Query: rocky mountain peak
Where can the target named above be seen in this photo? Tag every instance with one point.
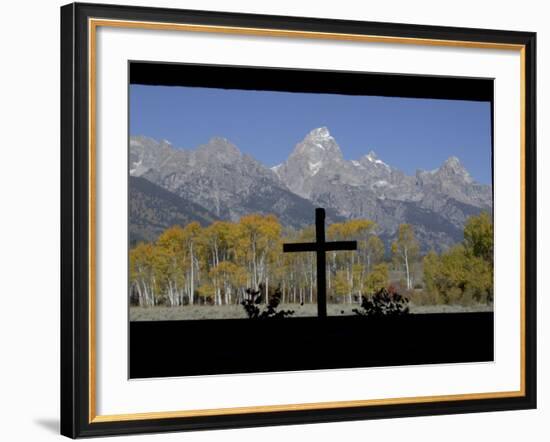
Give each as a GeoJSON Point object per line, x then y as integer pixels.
{"type": "Point", "coordinates": [144, 143]}
{"type": "Point", "coordinates": [223, 144]}
{"type": "Point", "coordinates": [452, 167]}
{"type": "Point", "coordinates": [452, 162]}
{"type": "Point", "coordinates": [318, 134]}
{"type": "Point", "coordinates": [146, 152]}
{"type": "Point", "coordinates": [371, 159]}
{"type": "Point", "coordinates": [318, 145]}
{"type": "Point", "coordinates": [372, 155]}
{"type": "Point", "coordinates": [221, 149]}
{"type": "Point", "coordinates": [312, 157]}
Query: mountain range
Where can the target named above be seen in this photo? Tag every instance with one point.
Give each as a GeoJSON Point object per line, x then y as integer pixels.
{"type": "Point", "coordinates": [171, 185]}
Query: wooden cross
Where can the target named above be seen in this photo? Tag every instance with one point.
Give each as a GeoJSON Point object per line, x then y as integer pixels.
{"type": "Point", "coordinates": [320, 246]}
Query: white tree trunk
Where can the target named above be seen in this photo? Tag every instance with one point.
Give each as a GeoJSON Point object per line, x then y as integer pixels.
{"type": "Point", "coordinates": [192, 274]}
{"type": "Point", "coordinates": [407, 269]}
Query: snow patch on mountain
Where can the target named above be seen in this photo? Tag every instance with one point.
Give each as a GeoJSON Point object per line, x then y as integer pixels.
{"type": "Point", "coordinates": [320, 133]}
{"type": "Point", "coordinates": [135, 167]}
{"type": "Point", "coordinates": [315, 167]}
{"type": "Point", "coordinates": [373, 158]}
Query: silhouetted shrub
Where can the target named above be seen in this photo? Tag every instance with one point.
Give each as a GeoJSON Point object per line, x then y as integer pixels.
{"type": "Point", "coordinates": [383, 303]}
{"type": "Point", "coordinates": [254, 298]}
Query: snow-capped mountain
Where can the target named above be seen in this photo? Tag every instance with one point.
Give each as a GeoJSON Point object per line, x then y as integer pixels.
{"type": "Point", "coordinates": [221, 179]}
{"type": "Point", "coordinates": [227, 183]}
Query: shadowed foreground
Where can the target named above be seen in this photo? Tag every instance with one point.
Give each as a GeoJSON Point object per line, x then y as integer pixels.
{"type": "Point", "coordinates": [183, 348]}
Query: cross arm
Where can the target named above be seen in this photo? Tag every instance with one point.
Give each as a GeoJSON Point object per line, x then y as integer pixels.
{"type": "Point", "coordinates": [314, 247]}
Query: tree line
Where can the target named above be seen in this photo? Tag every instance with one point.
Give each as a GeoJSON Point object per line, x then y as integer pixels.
{"type": "Point", "coordinates": [216, 264]}
{"type": "Point", "coordinates": [464, 273]}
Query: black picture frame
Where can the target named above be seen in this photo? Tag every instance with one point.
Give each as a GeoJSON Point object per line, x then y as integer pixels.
{"type": "Point", "coordinates": [78, 417]}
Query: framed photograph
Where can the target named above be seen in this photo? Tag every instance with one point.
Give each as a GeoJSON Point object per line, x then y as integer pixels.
{"type": "Point", "coordinates": [274, 220]}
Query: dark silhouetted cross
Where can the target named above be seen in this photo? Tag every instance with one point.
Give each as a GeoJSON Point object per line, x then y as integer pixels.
{"type": "Point", "coordinates": [320, 246]}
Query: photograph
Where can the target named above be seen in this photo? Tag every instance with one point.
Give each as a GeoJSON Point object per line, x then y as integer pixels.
{"type": "Point", "coordinates": [219, 179]}
{"type": "Point", "coordinates": [250, 204]}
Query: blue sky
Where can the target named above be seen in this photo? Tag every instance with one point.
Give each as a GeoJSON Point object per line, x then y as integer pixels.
{"type": "Point", "coordinates": [407, 133]}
